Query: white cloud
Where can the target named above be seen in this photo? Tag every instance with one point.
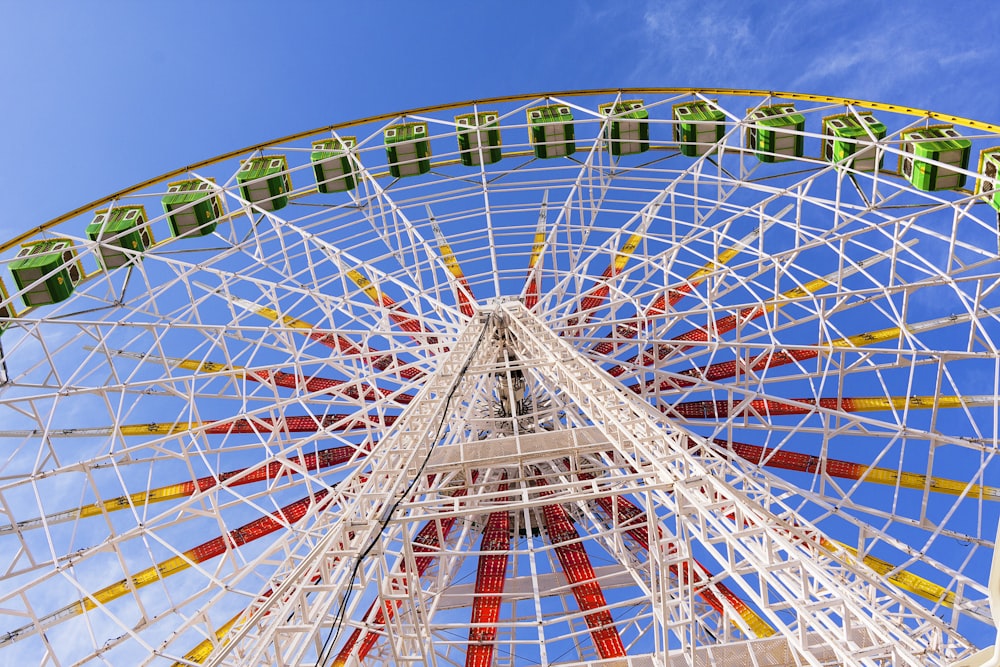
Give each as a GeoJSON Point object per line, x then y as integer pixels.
{"type": "Point", "coordinates": [899, 54]}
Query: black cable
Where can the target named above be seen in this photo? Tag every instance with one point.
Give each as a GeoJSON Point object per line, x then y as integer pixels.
{"type": "Point", "coordinates": [335, 630]}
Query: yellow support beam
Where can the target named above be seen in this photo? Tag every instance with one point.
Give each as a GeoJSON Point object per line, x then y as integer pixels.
{"type": "Point", "coordinates": [901, 578]}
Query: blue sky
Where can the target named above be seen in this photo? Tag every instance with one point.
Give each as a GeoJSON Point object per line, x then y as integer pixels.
{"type": "Point", "coordinates": [99, 96]}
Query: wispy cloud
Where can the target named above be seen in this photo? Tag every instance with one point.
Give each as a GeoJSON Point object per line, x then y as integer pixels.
{"type": "Point", "coordinates": [899, 53]}
{"type": "Point", "coordinates": [681, 40]}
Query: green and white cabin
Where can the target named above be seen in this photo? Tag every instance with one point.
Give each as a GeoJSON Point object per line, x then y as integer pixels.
{"type": "Point", "coordinates": [192, 207]}
{"type": "Point", "coordinates": [49, 270]}
{"type": "Point", "coordinates": [846, 135]}
{"type": "Point", "coordinates": [769, 133]}
{"type": "Point", "coordinates": [119, 231]}
{"type": "Point", "coordinates": [940, 143]}
{"type": "Point", "coordinates": [264, 181]}
{"type": "Point", "coordinates": [332, 164]}
{"type": "Point", "coordinates": [628, 132]}
{"type": "Point", "coordinates": [698, 126]}
{"type": "Point", "coordinates": [988, 183]}
{"type": "Point", "coordinates": [550, 131]}
{"type": "Point", "coordinates": [479, 137]}
{"type": "Point", "coordinates": [408, 149]}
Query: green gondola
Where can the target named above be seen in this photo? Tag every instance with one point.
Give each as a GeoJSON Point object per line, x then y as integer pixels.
{"type": "Point", "coordinates": [550, 131]}
{"type": "Point", "coordinates": [264, 182]}
{"type": "Point", "coordinates": [628, 132]}
{"type": "Point", "coordinates": [988, 183]}
{"type": "Point", "coordinates": [49, 270]}
{"type": "Point", "coordinates": [479, 135]}
{"type": "Point", "coordinates": [119, 231]}
{"type": "Point", "coordinates": [940, 143]}
{"type": "Point", "coordinates": [698, 127]}
{"type": "Point", "coordinates": [333, 165]}
{"type": "Point", "coordinates": [770, 132]}
{"type": "Point", "coordinates": [850, 136]}
{"type": "Point", "coordinates": [192, 207]}
{"type": "Point", "coordinates": [407, 149]}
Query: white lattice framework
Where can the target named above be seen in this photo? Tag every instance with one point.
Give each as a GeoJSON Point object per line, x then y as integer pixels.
{"type": "Point", "coordinates": [599, 409]}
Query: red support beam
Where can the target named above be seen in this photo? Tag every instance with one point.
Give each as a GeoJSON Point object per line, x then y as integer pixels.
{"type": "Point", "coordinates": [674, 295]}
{"type": "Point", "coordinates": [721, 326]}
{"type": "Point", "coordinates": [582, 580]}
{"type": "Point", "coordinates": [491, 573]}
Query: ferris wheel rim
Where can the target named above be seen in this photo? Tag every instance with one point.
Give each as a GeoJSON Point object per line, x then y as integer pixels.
{"type": "Point", "coordinates": [806, 97]}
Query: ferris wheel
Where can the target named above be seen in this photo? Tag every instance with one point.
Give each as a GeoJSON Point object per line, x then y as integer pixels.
{"type": "Point", "coordinates": [615, 377]}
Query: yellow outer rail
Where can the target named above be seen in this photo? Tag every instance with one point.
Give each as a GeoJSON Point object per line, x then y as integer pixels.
{"type": "Point", "coordinates": [734, 92]}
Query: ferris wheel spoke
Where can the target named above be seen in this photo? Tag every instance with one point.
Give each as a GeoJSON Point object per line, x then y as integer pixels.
{"type": "Point", "coordinates": [396, 312]}
{"type": "Point", "coordinates": [403, 239]}
{"type": "Point", "coordinates": [673, 296]}
{"type": "Point", "coordinates": [730, 322]}
{"type": "Point", "coordinates": [869, 517]}
{"type": "Point", "coordinates": [766, 408]}
{"type": "Point", "coordinates": [337, 342]}
{"type": "Point", "coordinates": [342, 260]}
{"type": "Point", "coordinates": [533, 282]}
{"type": "Point", "coordinates": [779, 457]}
{"type": "Point", "coordinates": [343, 423]}
{"type": "Point", "coordinates": [205, 551]}
{"type": "Point", "coordinates": [186, 514]}
{"type": "Point", "coordinates": [767, 359]}
{"type": "Point", "coordinates": [905, 580]}
{"type": "Point", "coordinates": [871, 522]}
{"type": "Point", "coordinates": [313, 384]}
{"type": "Point", "coordinates": [203, 650]}
{"type": "Point", "coordinates": [311, 462]}
{"type": "Point", "coordinates": [466, 300]}
{"type": "Point", "coordinates": [595, 297]}
{"type": "Point", "coordinates": [349, 350]}
{"type": "Point", "coordinates": [895, 575]}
